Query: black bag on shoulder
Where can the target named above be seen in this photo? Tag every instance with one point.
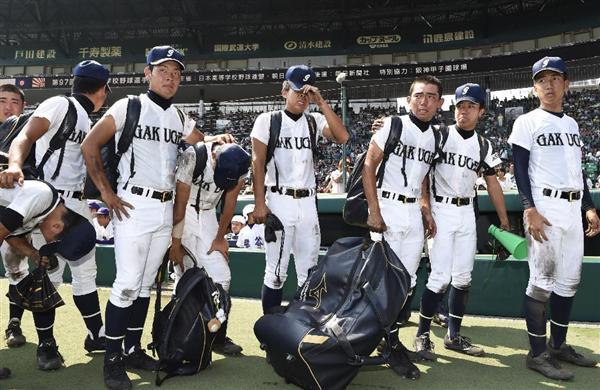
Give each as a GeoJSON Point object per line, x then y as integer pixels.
{"type": "Point", "coordinates": [356, 208]}
{"type": "Point", "coordinates": [180, 333]}
{"type": "Point", "coordinates": [112, 151]}
{"type": "Point", "coordinates": [348, 303]}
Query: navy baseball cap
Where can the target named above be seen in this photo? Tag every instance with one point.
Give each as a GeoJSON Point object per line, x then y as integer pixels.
{"type": "Point", "coordinates": [92, 204]}
{"type": "Point", "coordinates": [159, 54]}
{"type": "Point", "coordinates": [232, 163]}
{"type": "Point", "coordinates": [300, 75]}
{"type": "Point", "coordinates": [471, 92]}
{"type": "Point", "coordinates": [102, 211]}
{"type": "Point", "coordinates": [92, 70]}
{"type": "Point", "coordinates": [555, 64]}
{"type": "Point", "coordinates": [78, 241]}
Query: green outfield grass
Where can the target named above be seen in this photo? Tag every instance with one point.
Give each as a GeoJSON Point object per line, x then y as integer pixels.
{"type": "Point", "coordinates": [503, 366]}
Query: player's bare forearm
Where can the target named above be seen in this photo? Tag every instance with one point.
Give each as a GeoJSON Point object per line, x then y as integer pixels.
{"type": "Point", "coordinates": [229, 208]}
{"type": "Point", "coordinates": [497, 198]}
{"type": "Point", "coordinates": [259, 155]}
{"type": "Point", "coordinates": [22, 246]}
{"type": "Point", "coordinates": [372, 160]}
{"type": "Point", "coordinates": [194, 137]}
{"type": "Point", "coordinates": [335, 129]}
{"type": "Point", "coordinates": [425, 200]}
{"type": "Point", "coordinates": [182, 196]}
{"type": "Point", "coordinates": [98, 136]}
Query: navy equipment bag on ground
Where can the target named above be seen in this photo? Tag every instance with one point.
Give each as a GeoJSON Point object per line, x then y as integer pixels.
{"type": "Point", "coordinates": [180, 331]}
{"type": "Point", "coordinates": [348, 303]}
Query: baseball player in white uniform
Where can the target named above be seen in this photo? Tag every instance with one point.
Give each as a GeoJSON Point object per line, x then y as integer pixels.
{"type": "Point", "coordinates": [252, 236]}
{"type": "Point", "coordinates": [12, 103]}
{"type": "Point", "coordinates": [450, 198]}
{"type": "Point", "coordinates": [394, 204]}
{"type": "Point", "coordinates": [143, 206]}
{"type": "Point", "coordinates": [65, 170]}
{"type": "Point", "coordinates": [288, 189]}
{"type": "Point", "coordinates": [547, 156]}
{"type": "Point", "coordinates": [195, 203]}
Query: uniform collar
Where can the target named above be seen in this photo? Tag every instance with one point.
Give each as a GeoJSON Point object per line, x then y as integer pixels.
{"type": "Point", "coordinates": [423, 126]}
{"type": "Point", "coordinates": [159, 100]}
{"type": "Point", "coordinates": [293, 116]}
{"type": "Point", "coordinates": [558, 114]}
{"type": "Point", "coordinates": [466, 134]}
{"type": "Point", "coordinates": [85, 102]}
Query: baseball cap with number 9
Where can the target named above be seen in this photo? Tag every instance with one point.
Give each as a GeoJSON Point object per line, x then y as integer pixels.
{"type": "Point", "coordinates": [159, 54]}
{"type": "Point", "coordinates": [300, 75]}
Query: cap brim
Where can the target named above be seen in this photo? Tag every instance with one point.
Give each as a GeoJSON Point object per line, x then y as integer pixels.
{"type": "Point", "coordinates": [157, 62]}
{"type": "Point", "coordinates": [296, 87]}
{"type": "Point", "coordinates": [549, 68]}
{"type": "Point", "coordinates": [469, 99]}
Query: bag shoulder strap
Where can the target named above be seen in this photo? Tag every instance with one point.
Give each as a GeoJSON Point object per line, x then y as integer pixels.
{"type": "Point", "coordinates": [132, 117]}
{"type": "Point", "coordinates": [390, 144]}
{"type": "Point", "coordinates": [312, 131]}
{"type": "Point", "coordinates": [484, 146]}
{"type": "Point", "coordinates": [59, 140]}
{"type": "Point", "coordinates": [201, 159]}
{"type": "Point", "coordinates": [274, 130]}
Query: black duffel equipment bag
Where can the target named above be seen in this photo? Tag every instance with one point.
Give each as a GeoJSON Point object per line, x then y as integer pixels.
{"type": "Point", "coordinates": [348, 303]}
{"type": "Point", "coordinates": [184, 330]}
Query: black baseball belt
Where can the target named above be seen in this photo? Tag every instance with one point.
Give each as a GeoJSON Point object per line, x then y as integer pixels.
{"type": "Point", "coordinates": [456, 201]}
{"type": "Point", "coordinates": [398, 197]}
{"type": "Point", "coordinates": [163, 196]}
{"type": "Point", "coordinates": [568, 195]}
{"type": "Point", "coordinates": [71, 194]}
{"type": "Point", "coordinates": [295, 193]}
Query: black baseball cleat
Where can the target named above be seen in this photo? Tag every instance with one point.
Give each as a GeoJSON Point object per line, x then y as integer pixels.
{"type": "Point", "coordinates": [227, 348]}
{"type": "Point", "coordinates": [14, 334]}
{"type": "Point", "coordinates": [424, 348]}
{"type": "Point", "coordinates": [140, 359]}
{"type": "Point", "coordinates": [401, 363]}
{"type": "Point", "coordinates": [566, 353]}
{"type": "Point", "coordinates": [548, 366]}
{"type": "Point", "coordinates": [48, 357]}
{"type": "Point", "coordinates": [93, 345]}
{"type": "Point", "coordinates": [462, 344]}
{"type": "Point", "coordinates": [115, 377]}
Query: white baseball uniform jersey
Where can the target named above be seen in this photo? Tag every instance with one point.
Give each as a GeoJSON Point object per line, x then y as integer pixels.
{"type": "Point", "coordinates": [72, 171]}
{"type": "Point", "coordinates": [142, 239]}
{"type": "Point", "coordinates": [294, 160]}
{"type": "Point", "coordinates": [404, 172]}
{"type": "Point", "coordinates": [252, 237]}
{"type": "Point", "coordinates": [452, 253]}
{"type": "Point", "coordinates": [201, 225]}
{"type": "Point", "coordinates": [554, 149]}
{"type": "Point", "coordinates": [70, 179]}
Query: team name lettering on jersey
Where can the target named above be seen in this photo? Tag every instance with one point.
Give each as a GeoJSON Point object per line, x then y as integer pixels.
{"type": "Point", "coordinates": [461, 161]}
{"type": "Point", "coordinates": [409, 151]}
{"type": "Point", "coordinates": [555, 139]}
{"type": "Point", "coordinates": [206, 187]}
{"type": "Point", "coordinates": [77, 136]}
{"type": "Point", "coordinates": [293, 143]}
{"type": "Point", "coordinates": [152, 133]}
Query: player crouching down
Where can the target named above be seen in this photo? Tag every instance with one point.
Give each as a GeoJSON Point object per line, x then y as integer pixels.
{"type": "Point", "coordinates": [207, 173]}
{"type": "Point", "coordinates": [37, 205]}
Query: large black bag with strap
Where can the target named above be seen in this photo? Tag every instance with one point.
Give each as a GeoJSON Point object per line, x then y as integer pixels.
{"type": "Point", "coordinates": [348, 303]}
{"type": "Point", "coordinates": [181, 333]}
